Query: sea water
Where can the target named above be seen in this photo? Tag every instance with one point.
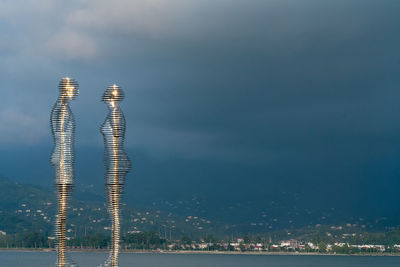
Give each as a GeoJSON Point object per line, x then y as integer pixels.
{"type": "Point", "coordinates": [85, 259]}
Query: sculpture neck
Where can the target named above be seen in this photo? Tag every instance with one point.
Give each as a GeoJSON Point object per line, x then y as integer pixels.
{"type": "Point", "coordinates": [112, 105]}
{"type": "Point", "coordinates": [62, 99]}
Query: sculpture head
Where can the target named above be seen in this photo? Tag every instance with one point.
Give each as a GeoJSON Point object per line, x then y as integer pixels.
{"type": "Point", "coordinates": [69, 89]}
{"type": "Point", "coordinates": [113, 94]}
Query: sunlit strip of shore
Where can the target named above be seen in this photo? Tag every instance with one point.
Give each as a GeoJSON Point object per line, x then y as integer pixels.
{"type": "Point", "coordinates": [197, 252]}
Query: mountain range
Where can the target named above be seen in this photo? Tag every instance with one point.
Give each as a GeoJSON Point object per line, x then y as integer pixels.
{"type": "Point", "coordinates": [31, 208]}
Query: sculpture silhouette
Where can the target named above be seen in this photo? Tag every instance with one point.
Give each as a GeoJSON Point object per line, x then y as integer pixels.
{"type": "Point", "coordinates": [62, 159]}
{"type": "Point", "coordinates": [117, 164]}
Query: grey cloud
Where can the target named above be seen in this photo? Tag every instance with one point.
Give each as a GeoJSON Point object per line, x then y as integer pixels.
{"type": "Point", "coordinates": [233, 76]}
{"type": "Point", "coordinates": [20, 128]}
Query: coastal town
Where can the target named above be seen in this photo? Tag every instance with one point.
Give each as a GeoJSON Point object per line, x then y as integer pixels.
{"type": "Point", "coordinates": [152, 242]}
{"type": "Point", "coordinates": [284, 246]}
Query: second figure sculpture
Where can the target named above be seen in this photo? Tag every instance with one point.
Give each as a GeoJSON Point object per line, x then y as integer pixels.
{"type": "Point", "coordinates": [117, 164]}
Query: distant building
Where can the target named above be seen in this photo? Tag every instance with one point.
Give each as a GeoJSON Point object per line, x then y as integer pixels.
{"type": "Point", "coordinates": [290, 244]}
{"type": "Point", "coordinates": [203, 246]}
{"type": "Point", "coordinates": [311, 245]}
{"type": "Point", "coordinates": [258, 247]}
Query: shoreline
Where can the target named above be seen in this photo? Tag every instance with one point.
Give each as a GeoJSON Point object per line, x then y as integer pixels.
{"type": "Point", "coordinates": [200, 252]}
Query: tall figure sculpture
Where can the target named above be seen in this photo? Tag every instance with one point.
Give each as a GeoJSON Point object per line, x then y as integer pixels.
{"type": "Point", "coordinates": [62, 159]}
{"type": "Point", "coordinates": [117, 164]}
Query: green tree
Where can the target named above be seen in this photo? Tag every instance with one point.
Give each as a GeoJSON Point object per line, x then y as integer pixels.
{"type": "Point", "coordinates": [34, 240]}
{"type": "Point", "coordinates": [209, 239]}
{"type": "Point", "coordinates": [186, 240]}
{"type": "Point", "coordinates": [144, 240]}
{"type": "Point", "coordinates": [246, 239]}
{"type": "Point", "coordinates": [322, 247]}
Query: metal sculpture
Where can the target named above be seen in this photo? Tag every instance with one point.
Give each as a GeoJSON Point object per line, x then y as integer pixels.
{"type": "Point", "coordinates": [62, 159]}
{"type": "Point", "coordinates": [117, 164]}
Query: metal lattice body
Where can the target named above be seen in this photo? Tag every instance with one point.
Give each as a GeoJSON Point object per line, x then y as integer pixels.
{"type": "Point", "coordinates": [62, 159]}
{"type": "Point", "coordinates": [117, 164]}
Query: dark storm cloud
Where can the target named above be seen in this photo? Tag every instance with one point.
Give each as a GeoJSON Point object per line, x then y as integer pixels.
{"type": "Point", "coordinates": [296, 75]}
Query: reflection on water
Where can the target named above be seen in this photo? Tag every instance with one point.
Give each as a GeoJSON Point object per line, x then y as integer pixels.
{"type": "Point", "coordinates": [84, 259]}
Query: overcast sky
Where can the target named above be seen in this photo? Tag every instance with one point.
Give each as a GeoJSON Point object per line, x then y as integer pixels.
{"type": "Point", "coordinates": [291, 95]}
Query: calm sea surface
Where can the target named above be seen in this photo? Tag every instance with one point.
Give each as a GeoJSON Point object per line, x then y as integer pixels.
{"type": "Point", "coordinates": [44, 259]}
